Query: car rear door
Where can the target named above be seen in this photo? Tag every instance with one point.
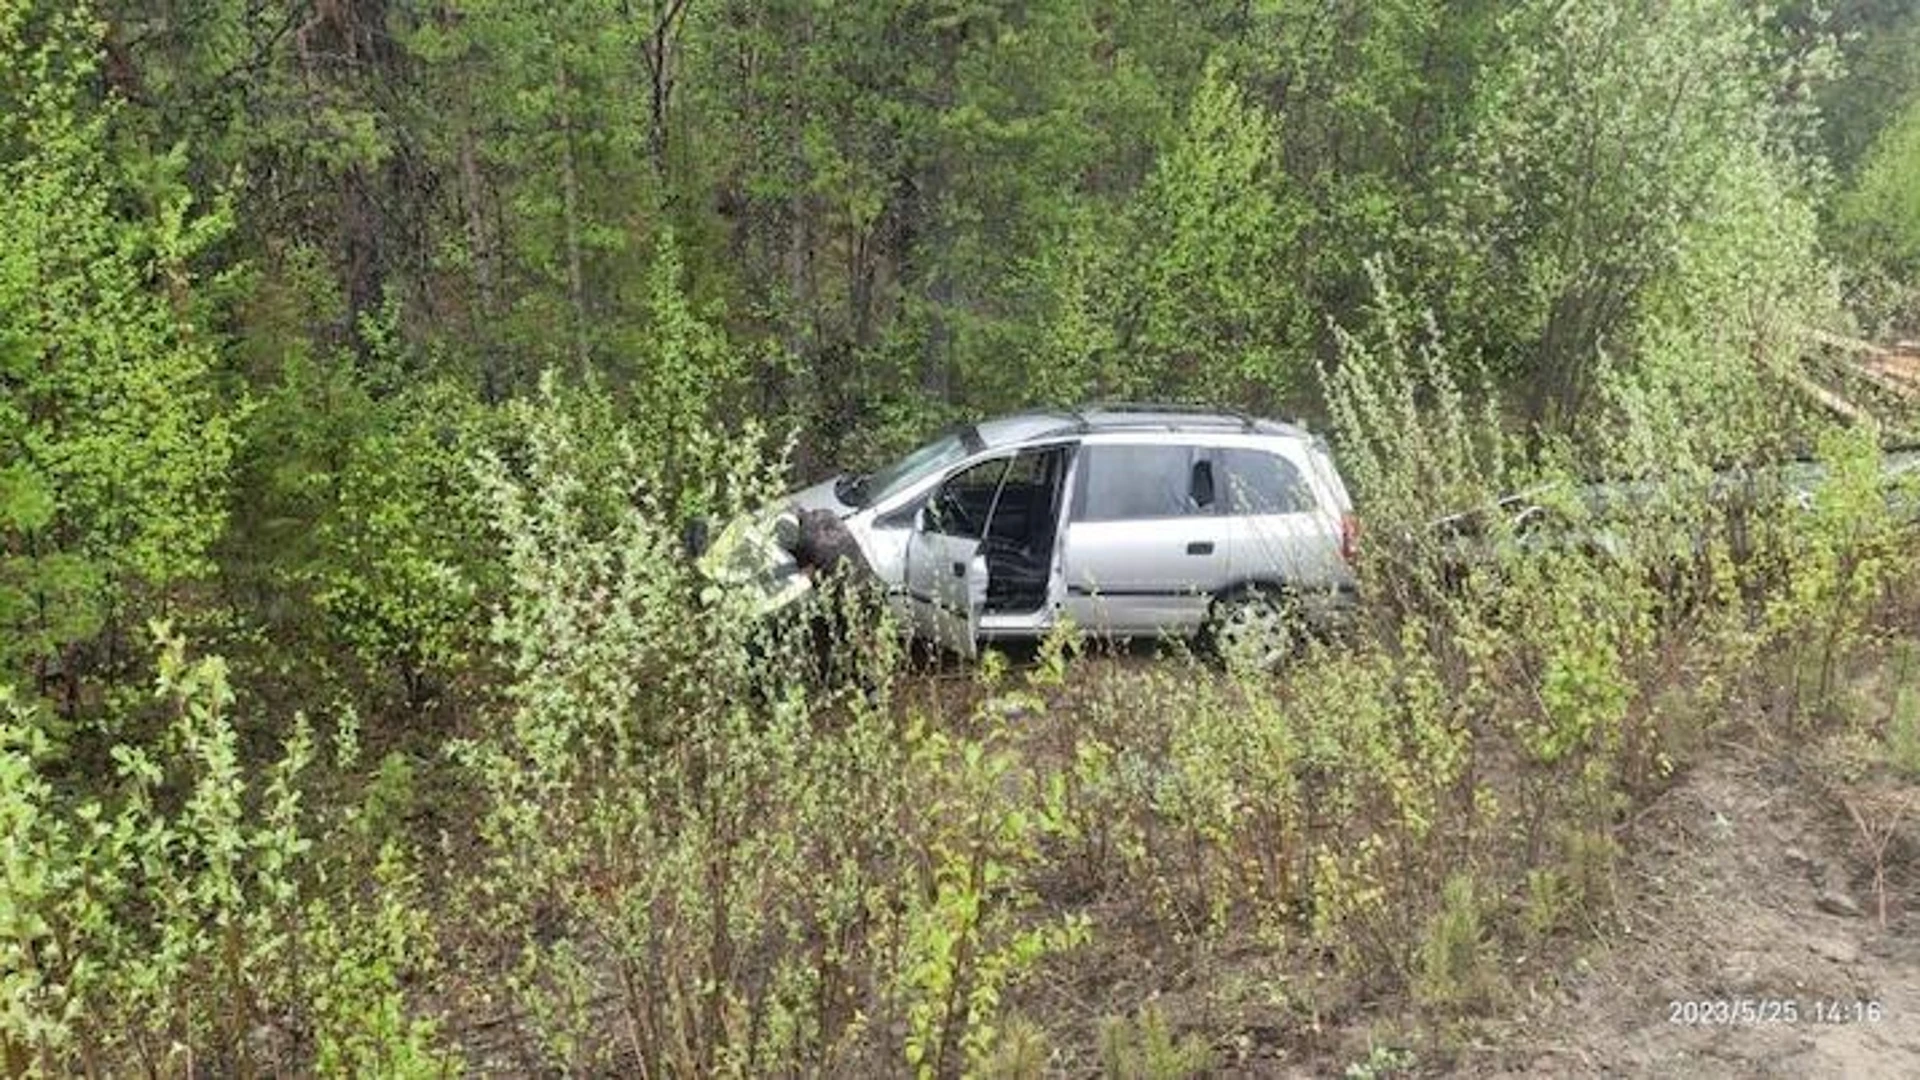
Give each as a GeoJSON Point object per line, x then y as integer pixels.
{"type": "Point", "coordinates": [1280, 528]}
{"type": "Point", "coordinates": [1144, 547]}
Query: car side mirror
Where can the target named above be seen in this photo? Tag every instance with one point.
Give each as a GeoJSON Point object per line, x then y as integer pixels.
{"type": "Point", "coordinates": [922, 520]}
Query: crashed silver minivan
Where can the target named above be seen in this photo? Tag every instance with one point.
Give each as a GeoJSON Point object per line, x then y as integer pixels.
{"type": "Point", "coordinates": [1127, 520]}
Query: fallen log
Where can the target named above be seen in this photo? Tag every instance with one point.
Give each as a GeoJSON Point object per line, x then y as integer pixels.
{"type": "Point", "coordinates": [1840, 341]}
{"type": "Point", "coordinates": [1833, 402]}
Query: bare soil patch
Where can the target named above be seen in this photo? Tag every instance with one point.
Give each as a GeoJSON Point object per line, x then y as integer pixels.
{"type": "Point", "coordinates": [1749, 881]}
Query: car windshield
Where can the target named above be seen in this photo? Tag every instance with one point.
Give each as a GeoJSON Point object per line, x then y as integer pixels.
{"type": "Point", "coordinates": [869, 489]}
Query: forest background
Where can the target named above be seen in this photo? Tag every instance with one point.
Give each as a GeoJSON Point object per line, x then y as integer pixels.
{"type": "Point", "coordinates": [360, 358]}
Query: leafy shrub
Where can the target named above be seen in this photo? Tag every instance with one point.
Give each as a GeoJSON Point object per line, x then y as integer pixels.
{"type": "Point", "coordinates": [183, 917]}
{"type": "Point", "coordinates": [399, 574]}
{"type": "Point", "coordinates": [113, 446]}
{"type": "Point", "coordinates": [1147, 1048]}
{"type": "Point", "coordinates": [1550, 264]}
{"type": "Point", "coordinates": [1879, 220]}
{"type": "Point", "coordinates": [362, 1022]}
{"type": "Point", "coordinates": [1839, 563]}
{"type": "Point", "coordinates": [980, 829]}
{"type": "Point", "coordinates": [771, 873]}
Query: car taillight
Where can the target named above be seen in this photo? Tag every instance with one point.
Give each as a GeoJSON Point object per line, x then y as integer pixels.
{"type": "Point", "coordinates": [1349, 537]}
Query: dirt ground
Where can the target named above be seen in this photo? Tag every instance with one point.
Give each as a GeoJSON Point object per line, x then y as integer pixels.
{"type": "Point", "coordinates": [1749, 880]}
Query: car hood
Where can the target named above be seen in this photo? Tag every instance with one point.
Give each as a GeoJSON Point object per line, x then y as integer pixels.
{"type": "Point", "coordinates": [821, 497]}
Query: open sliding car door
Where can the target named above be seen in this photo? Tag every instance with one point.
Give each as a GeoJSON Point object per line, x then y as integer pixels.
{"type": "Point", "coordinates": [946, 569]}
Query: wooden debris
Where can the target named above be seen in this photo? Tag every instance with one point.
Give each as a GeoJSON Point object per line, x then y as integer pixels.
{"type": "Point", "coordinates": [1894, 370]}
{"type": "Point", "coordinates": [1831, 401]}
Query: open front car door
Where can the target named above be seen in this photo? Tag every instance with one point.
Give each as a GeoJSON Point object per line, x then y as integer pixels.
{"type": "Point", "coordinates": [946, 569]}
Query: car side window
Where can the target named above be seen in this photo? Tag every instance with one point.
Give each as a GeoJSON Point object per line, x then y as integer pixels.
{"type": "Point", "coordinates": [1263, 482]}
{"type": "Point", "coordinates": [1131, 483]}
{"type": "Point", "coordinates": [961, 506]}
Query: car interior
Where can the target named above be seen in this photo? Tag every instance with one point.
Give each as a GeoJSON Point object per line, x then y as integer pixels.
{"type": "Point", "coordinates": [1017, 531]}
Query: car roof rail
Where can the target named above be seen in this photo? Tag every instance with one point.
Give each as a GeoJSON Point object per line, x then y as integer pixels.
{"type": "Point", "coordinates": [1166, 408]}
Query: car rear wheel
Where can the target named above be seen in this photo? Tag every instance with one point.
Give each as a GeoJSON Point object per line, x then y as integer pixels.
{"type": "Point", "coordinates": [1254, 630]}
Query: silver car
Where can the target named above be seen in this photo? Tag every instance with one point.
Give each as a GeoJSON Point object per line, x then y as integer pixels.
{"type": "Point", "coordinates": [1127, 520]}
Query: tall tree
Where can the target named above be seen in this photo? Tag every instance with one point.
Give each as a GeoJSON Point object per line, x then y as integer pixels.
{"type": "Point", "coordinates": [1207, 311]}
{"type": "Point", "coordinates": [113, 447]}
{"type": "Point", "coordinates": [1602, 134]}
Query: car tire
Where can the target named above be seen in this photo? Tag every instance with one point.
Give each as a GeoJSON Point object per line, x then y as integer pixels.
{"type": "Point", "coordinates": [1255, 630]}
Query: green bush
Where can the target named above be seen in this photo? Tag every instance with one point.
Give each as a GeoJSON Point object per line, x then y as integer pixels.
{"type": "Point", "coordinates": [191, 917]}
{"type": "Point", "coordinates": [1879, 219]}
{"type": "Point", "coordinates": [1147, 1048]}
{"type": "Point", "coordinates": [400, 575]}
{"type": "Point", "coordinates": [114, 446]}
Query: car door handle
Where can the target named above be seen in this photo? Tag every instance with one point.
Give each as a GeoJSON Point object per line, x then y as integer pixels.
{"type": "Point", "coordinates": [959, 569]}
{"type": "Point", "coordinates": [1200, 547]}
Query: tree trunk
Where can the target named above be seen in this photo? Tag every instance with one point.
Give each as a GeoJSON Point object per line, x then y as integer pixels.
{"type": "Point", "coordinates": [570, 213]}
{"type": "Point", "coordinates": [481, 247]}
{"type": "Point", "coordinates": [662, 39]}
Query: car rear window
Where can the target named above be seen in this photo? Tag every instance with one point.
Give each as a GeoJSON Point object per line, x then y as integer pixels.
{"type": "Point", "coordinates": [1263, 482]}
{"type": "Point", "coordinates": [1128, 483]}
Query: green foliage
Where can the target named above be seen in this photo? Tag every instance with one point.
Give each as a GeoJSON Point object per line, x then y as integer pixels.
{"type": "Point", "coordinates": [1603, 140]}
{"type": "Point", "coordinates": [398, 574]}
{"type": "Point", "coordinates": [1591, 856]}
{"type": "Point", "coordinates": [1021, 1053]}
{"type": "Point", "coordinates": [689, 374]}
{"type": "Point", "coordinates": [715, 822]}
{"type": "Point", "coordinates": [165, 924]}
{"type": "Point", "coordinates": [1902, 739]}
{"type": "Point", "coordinates": [1720, 335]}
{"type": "Point", "coordinates": [1146, 1048]}
{"type": "Point", "coordinates": [1584, 626]}
{"type": "Point", "coordinates": [1381, 1061]}
{"type": "Point", "coordinates": [1879, 216]}
{"type": "Point", "coordinates": [1455, 966]}
{"type": "Point", "coordinates": [1840, 559]}
{"type": "Point", "coordinates": [963, 944]}
{"type": "Point", "coordinates": [1413, 443]}
{"type": "Point", "coordinates": [1203, 317]}
{"type": "Point", "coordinates": [1878, 41]}
{"type": "Point", "coordinates": [113, 450]}
{"type": "Point", "coordinates": [1072, 348]}
{"type": "Point", "coordinates": [363, 1024]}
{"type": "Point", "coordinates": [37, 1010]}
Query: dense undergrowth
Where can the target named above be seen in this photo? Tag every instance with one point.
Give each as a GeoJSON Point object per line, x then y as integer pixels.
{"type": "Point", "coordinates": [664, 840]}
